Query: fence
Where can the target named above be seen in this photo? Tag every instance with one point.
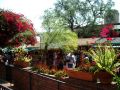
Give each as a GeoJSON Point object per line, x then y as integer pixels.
{"type": "Point", "coordinates": [28, 80]}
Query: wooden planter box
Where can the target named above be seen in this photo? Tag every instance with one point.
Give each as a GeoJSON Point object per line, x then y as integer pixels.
{"type": "Point", "coordinates": [81, 75]}
{"type": "Point", "coordinates": [21, 64]}
{"type": "Point", "coordinates": [27, 80]}
{"type": "Point", "coordinates": [104, 77]}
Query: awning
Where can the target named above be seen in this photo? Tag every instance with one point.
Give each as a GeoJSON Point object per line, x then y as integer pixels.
{"type": "Point", "coordinates": [115, 41]}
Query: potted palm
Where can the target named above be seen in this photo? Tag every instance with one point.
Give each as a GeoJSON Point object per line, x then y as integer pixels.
{"type": "Point", "coordinates": [106, 61]}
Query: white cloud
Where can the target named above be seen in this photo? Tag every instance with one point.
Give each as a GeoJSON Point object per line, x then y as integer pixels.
{"type": "Point", "coordinates": [32, 9]}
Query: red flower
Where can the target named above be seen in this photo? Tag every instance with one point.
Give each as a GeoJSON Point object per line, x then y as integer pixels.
{"type": "Point", "coordinates": [106, 30]}
{"type": "Point", "coordinates": [109, 26]}
{"type": "Point", "coordinates": [13, 27]}
{"type": "Point", "coordinates": [109, 39]}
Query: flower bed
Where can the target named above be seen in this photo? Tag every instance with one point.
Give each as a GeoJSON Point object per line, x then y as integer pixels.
{"type": "Point", "coordinates": [81, 75]}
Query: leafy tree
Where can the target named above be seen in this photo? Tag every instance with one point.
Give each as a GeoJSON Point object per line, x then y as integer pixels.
{"type": "Point", "coordinates": [15, 30]}
{"type": "Point", "coordinates": [65, 40]}
{"type": "Point", "coordinates": [80, 15]}
{"type": "Point", "coordinates": [111, 16]}
{"type": "Point", "coordinates": [57, 33]}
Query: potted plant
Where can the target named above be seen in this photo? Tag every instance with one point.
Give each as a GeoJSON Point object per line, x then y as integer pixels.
{"type": "Point", "coordinates": [106, 61]}
{"type": "Point", "coordinates": [21, 60]}
{"type": "Point", "coordinates": [85, 71]}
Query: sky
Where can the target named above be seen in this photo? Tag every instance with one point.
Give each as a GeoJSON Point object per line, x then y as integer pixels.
{"type": "Point", "coordinates": [34, 9]}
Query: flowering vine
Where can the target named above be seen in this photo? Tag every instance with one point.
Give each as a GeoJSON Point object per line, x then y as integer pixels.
{"type": "Point", "coordinates": [15, 29]}
{"type": "Point", "coordinates": [107, 31]}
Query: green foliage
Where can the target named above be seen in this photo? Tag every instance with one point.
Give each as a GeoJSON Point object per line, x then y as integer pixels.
{"type": "Point", "coordinates": [16, 30]}
{"type": "Point", "coordinates": [105, 57]}
{"type": "Point", "coordinates": [86, 69]}
{"type": "Point", "coordinates": [76, 14]}
{"type": "Point", "coordinates": [110, 16]}
{"type": "Point", "coordinates": [63, 39]}
{"type": "Point", "coordinates": [57, 34]}
{"type": "Point", "coordinates": [117, 80]}
{"type": "Point", "coordinates": [70, 42]}
{"type": "Point", "coordinates": [60, 74]}
{"type": "Point", "coordinates": [46, 71]}
{"type": "Point", "coordinates": [51, 22]}
{"type": "Point", "coordinates": [20, 55]}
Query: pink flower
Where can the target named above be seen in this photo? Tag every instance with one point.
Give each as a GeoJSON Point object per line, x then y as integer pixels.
{"type": "Point", "coordinates": [109, 39]}
{"type": "Point", "coordinates": [11, 25]}
{"type": "Point", "coordinates": [106, 30]}
{"type": "Point", "coordinates": [109, 26]}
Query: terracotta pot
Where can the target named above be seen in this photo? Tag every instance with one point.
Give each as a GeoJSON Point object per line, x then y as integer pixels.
{"type": "Point", "coordinates": [21, 64]}
{"type": "Point", "coordinates": [104, 77]}
{"type": "Point", "coordinates": [81, 75]}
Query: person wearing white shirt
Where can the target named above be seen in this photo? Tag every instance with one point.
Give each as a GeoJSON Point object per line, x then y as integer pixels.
{"type": "Point", "coordinates": [72, 61]}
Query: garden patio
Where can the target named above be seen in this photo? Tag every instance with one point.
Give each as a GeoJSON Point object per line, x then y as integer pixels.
{"type": "Point", "coordinates": [64, 59]}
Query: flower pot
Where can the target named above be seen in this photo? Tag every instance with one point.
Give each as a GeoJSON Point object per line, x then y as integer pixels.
{"type": "Point", "coordinates": [21, 64]}
{"type": "Point", "coordinates": [104, 77]}
{"type": "Point", "coordinates": [81, 75]}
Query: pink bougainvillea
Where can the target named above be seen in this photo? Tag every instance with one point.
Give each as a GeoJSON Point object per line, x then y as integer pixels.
{"type": "Point", "coordinates": [107, 31]}
{"type": "Point", "coordinates": [15, 29]}
{"type": "Point", "coordinates": [109, 39]}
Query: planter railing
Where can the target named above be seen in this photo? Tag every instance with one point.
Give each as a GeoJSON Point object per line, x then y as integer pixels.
{"type": "Point", "coordinates": [43, 82]}
{"type": "Point", "coordinates": [28, 80]}
{"type": "Point", "coordinates": [4, 88]}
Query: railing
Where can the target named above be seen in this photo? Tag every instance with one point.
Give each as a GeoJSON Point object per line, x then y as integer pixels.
{"type": "Point", "coordinates": [44, 82]}
{"type": "Point", "coordinates": [4, 88]}
{"type": "Point", "coordinates": [28, 80]}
